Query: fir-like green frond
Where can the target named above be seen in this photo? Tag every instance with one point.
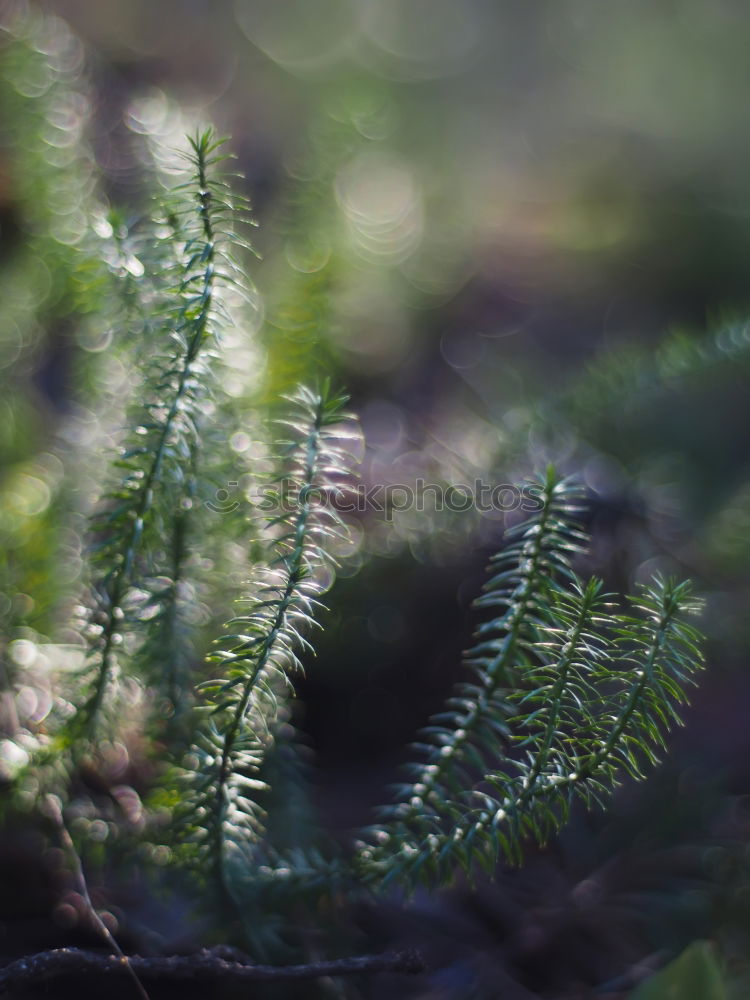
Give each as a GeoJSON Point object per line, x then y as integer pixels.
{"type": "Point", "coordinates": [255, 662]}
{"type": "Point", "coordinates": [159, 460]}
{"type": "Point", "coordinates": [460, 744]}
{"type": "Point", "coordinates": [660, 652]}
{"type": "Point", "coordinates": [593, 693]}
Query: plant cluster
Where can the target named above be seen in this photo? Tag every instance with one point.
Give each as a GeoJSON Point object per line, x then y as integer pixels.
{"type": "Point", "coordinates": [567, 688]}
{"type": "Point", "coordinates": [566, 691]}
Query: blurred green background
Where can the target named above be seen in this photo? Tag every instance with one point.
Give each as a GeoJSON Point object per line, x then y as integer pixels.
{"type": "Point", "coordinates": [515, 233]}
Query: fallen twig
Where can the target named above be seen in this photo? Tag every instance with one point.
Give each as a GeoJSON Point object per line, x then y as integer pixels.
{"type": "Point", "coordinates": [204, 966]}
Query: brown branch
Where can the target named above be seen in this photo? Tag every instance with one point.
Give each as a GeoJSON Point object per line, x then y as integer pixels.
{"type": "Point", "coordinates": [206, 966]}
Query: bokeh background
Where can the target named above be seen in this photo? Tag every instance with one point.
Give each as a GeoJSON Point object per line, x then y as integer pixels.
{"type": "Point", "coordinates": [515, 233]}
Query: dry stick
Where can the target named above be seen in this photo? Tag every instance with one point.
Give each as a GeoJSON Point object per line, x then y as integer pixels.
{"type": "Point", "coordinates": [54, 812]}
{"type": "Point", "coordinates": [205, 966]}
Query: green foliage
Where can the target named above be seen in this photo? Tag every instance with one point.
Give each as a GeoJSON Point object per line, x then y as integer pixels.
{"type": "Point", "coordinates": [257, 659]}
{"type": "Point", "coordinates": [158, 488]}
{"type": "Point", "coordinates": [566, 693]}
{"type": "Point", "coordinates": [52, 293]}
{"type": "Point", "coordinates": [579, 691]}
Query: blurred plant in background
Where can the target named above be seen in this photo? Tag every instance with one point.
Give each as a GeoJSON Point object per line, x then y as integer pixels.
{"type": "Point", "coordinates": [516, 235]}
